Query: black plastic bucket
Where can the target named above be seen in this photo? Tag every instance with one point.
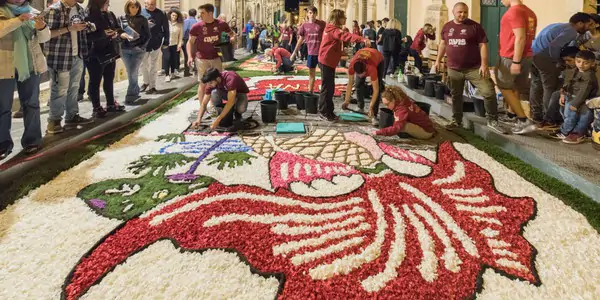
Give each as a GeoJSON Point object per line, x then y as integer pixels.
{"type": "Point", "coordinates": [386, 117]}
{"type": "Point", "coordinates": [479, 107]}
{"type": "Point", "coordinates": [300, 100]}
{"type": "Point", "coordinates": [412, 81]}
{"type": "Point", "coordinates": [227, 121]}
{"type": "Point", "coordinates": [424, 106]}
{"type": "Point", "coordinates": [440, 91]}
{"type": "Point", "coordinates": [311, 101]}
{"type": "Point", "coordinates": [292, 98]}
{"type": "Point", "coordinates": [268, 111]}
{"type": "Point", "coordinates": [282, 99]}
{"type": "Point", "coordinates": [429, 88]}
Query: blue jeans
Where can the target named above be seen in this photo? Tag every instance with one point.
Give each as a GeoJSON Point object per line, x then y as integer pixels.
{"type": "Point", "coordinates": [286, 65]}
{"type": "Point", "coordinates": [63, 91]}
{"type": "Point", "coordinates": [29, 95]}
{"type": "Point", "coordinates": [248, 44]}
{"type": "Point", "coordinates": [132, 58]}
{"type": "Point", "coordinates": [241, 101]}
{"type": "Point", "coordinates": [576, 122]}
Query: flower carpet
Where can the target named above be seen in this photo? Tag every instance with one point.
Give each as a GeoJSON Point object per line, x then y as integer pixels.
{"type": "Point", "coordinates": [170, 214]}
{"type": "Point", "coordinates": [260, 84]}
{"type": "Point", "coordinates": [262, 63]}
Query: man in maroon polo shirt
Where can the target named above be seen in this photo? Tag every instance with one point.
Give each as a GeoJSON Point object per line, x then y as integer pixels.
{"type": "Point", "coordinates": [226, 85]}
{"type": "Point", "coordinates": [311, 33]}
{"type": "Point", "coordinates": [204, 35]}
{"type": "Point", "coordinates": [465, 43]}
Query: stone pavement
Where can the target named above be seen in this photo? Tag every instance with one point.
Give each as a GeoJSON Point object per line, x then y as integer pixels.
{"type": "Point", "coordinates": [575, 165]}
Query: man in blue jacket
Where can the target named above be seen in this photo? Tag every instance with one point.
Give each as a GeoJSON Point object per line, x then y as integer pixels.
{"type": "Point", "coordinates": [546, 54]}
{"type": "Point", "coordinates": [249, 28]}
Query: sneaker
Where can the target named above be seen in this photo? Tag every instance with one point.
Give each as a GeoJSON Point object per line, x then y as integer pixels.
{"type": "Point", "coordinates": [524, 127]}
{"type": "Point", "coordinates": [152, 91]}
{"type": "Point", "coordinates": [574, 139]}
{"type": "Point", "coordinates": [131, 100]}
{"type": "Point", "coordinates": [32, 149]}
{"type": "Point", "coordinates": [54, 127]}
{"type": "Point", "coordinates": [168, 78]}
{"type": "Point", "coordinates": [277, 73]}
{"type": "Point", "coordinates": [453, 125]}
{"type": "Point", "coordinates": [375, 122]}
{"type": "Point", "coordinates": [546, 126]}
{"type": "Point", "coordinates": [328, 118]}
{"type": "Point", "coordinates": [115, 108]}
{"type": "Point", "coordinates": [78, 120]}
{"type": "Point", "coordinates": [4, 154]}
{"type": "Point", "coordinates": [558, 135]}
{"type": "Point", "coordinates": [18, 114]}
{"type": "Point", "coordinates": [495, 126]}
{"type": "Point", "coordinates": [98, 113]}
{"type": "Point", "coordinates": [143, 88]}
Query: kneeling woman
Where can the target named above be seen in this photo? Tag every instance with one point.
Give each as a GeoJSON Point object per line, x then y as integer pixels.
{"type": "Point", "coordinates": [408, 117]}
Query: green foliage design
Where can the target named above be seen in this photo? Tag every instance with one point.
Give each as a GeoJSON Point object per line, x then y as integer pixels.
{"type": "Point", "coordinates": [159, 163]}
{"type": "Point", "coordinates": [171, 138]}
{"type": "Point", "coordinates": [380, 167]}
{"type": "Point", "coordinates": [230, 159]}
{"type": "Point", "coordinates": [125, 198]}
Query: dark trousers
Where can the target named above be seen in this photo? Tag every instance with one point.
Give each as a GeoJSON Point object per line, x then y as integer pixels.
{"type": "Point", "coordinates": [185, 57]}
{"type": "Point", "coordinates": [82, 81]}
{"type": "Point", "coordinates": [415, 54]}
{"type": "Point", "coordinates": [362, 89]}
{"type": "Point", "coordinates": [544, 82]}
{"type": "Point", "coordinates": [254, 46]}
{"type": "Point", "coordinates": [553, 112]}
{"type": "Point", "coordinates": [391, 59]}
{"type": "Point", "coordinates": [286, 65]}
{"type": "Point", "coordinates": [285, 44]}
{"type": "Point", "coordinates": [327, 90]}
{"type": "Point", "coordinates": [170, 60]}
{"type": "Point", "coordinates": [106, 74]}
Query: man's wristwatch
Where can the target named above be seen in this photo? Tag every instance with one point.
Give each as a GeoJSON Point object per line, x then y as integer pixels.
{"type": "Point", "coordinates": [516, 62]}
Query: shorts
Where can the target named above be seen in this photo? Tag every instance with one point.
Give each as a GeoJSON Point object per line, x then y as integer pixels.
{"type": "Point", "coordinates": [507, 81]}
{"type": "Point", "coordinates": [204, 64]}
{"type": "Point", "coordinates": [312, 61]}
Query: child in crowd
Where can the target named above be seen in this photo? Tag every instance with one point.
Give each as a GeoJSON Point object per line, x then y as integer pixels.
{"type": "Point", "coordinates": [580, 85]}
{"type": "Point", "coordinates": [553, 117]}
{"type": "Point", "coordinates": [282, 57]}
{"type": "Point", "coordinates": [408, 117]}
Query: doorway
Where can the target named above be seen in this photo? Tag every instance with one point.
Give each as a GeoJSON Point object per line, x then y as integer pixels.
{"type": "Point", "coordinates": [491, 14]}
{"type": "Point", "coordinates": [401, 13]}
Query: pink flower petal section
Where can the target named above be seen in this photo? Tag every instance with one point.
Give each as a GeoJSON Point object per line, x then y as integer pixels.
{"type": "Point", "coordinates": [404, 155]}
{"type": "Point", "coordinates": [365, 141]}
{"type": "Point", "coordinates": [286, 168]}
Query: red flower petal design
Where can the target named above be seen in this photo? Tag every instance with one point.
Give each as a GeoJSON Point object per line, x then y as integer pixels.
{"type": "Point", "coordinates": [393, 238]}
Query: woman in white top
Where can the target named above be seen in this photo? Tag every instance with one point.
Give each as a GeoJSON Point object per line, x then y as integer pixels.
{"type": "Point", "coordinates": [171, 54]}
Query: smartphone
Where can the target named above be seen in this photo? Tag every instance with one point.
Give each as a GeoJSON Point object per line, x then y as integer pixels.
{"type": "Point", "coordinates": [43, 14]}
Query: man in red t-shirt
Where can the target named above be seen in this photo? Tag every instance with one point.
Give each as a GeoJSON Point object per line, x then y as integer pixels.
{"type": "Point", "coordinates": [311, 33]}
{"type": "Point", "coordinates": [282, 58]}
{"type": "Point", "coordinates": [465, 43]}
{"type": "Point", "coordinates": [367, 62]}
{"type": "Point", "coordinates": [226, 85]}
{"type": "Point", "coordinates": [517, 30]}
{"type": "Point", "coordinates": [204, 36]}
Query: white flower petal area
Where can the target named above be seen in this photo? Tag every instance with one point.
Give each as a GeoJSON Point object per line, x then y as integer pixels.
{"type": "Point", "coordinates": [339, 185]}
{"type": "Point", "coordinates": [568, 248]}
{"type": "Point", "coordinates": [162, 271]}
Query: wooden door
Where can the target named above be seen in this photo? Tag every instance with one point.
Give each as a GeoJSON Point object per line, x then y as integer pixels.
{"type": "Point", "coordinates": [401, 13]}
{"type": "Point", "coordinates": [491, 14]}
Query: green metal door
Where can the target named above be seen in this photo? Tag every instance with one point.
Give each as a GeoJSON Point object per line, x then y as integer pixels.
{"type": "Point", "coordinates": [401, 13]}
{"type": "Point", "coordinates": [491, 14]}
